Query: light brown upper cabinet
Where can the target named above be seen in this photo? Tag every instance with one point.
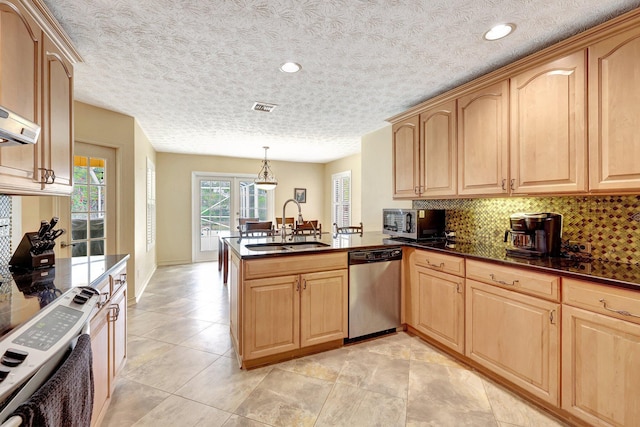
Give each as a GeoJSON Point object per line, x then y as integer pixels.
{"type": "Point", "coordinates": [548, 133]}
{"type": "Point", "coordinates": [56, 139]}
{"type": "Point", "coordinates": [614, 122]}
{"type": "Point", "coordinates": [36, 82]}
{"type": "Point", "coordinates": [483, 134]}
{"type": "Point", "coordinates": [438, 160]}
{"type": "Point", "coordinates": [406, 158]}
{"type": "Point", "coordinates": [20, 46]}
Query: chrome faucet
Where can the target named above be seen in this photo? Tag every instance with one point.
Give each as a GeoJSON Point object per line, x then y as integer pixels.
{"type": "Point", "coordinates": [283, 230]}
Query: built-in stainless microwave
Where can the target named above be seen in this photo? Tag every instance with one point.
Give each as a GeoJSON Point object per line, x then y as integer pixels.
{"type": "Point", "coordinates": [413, 224]}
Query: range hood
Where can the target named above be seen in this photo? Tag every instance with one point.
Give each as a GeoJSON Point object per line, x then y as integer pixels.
{"type": "Point", "coordinates": [16, 130]}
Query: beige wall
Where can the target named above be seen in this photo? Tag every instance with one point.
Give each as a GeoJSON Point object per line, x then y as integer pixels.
{"type": "Point", "coordinates": [145, 259]}
{"type": "Point", "coordinates": [351, 163]}
{"type": "Point", "coordinates": [377, 178]}
{"type": "Point", "coordinates": [174, 181]}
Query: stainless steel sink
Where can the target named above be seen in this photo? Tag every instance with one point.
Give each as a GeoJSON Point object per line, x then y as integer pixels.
{"type": "Point", "coordinates": [290, 246]}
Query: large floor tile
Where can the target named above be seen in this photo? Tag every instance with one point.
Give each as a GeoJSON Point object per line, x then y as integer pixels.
{"type": "Point", "coordinates": [141, 350]}
{"type": "Point", "coordinates": [147, 321]}
{"type": "Point", "coordinates": [130, 402]}
{"type": "Point", "coordinates": [177, 411]}
{"type": "Point", "coordinates": [172, 369]}
{"type": "Point", "coordinates": [376, 372]}
{"type": "Point", "coordinates": [351, 406]}
{"type": "Point", "coordinates": [511, 409]}
{"type": "Point", "coordinates": [446, 396]}
{"type": "Point", "coordinates": [215, 338]}
{"type": "Point", "coordinates": [238, 421]}
{"type": "Point", "coordinates": [286, 399]}
{"type": "Point", "coordinates": [178, 331]}
{"type": "Point", "coordinates": [325, 366]}
{"type": "Point", "coordinates": [223, 385]}
{"type": "Point", "coordinates": [422, 351]}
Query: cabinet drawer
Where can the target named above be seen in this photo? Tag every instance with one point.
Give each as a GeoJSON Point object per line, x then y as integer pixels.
{"type": "Point", "coordinates": [611, 301]}
{"type": "Point", "coordinates": [440, 262]}
{"type": "Point", "coordinates": [294, 264]}
{"type": "Point", "coordinates": [520, 280]}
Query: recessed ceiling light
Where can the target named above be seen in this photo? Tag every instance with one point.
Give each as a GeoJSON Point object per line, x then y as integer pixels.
{"type": "Point", "coordinates": [499, 31]}
{"type": "Point", "coordinates": [290, 67]}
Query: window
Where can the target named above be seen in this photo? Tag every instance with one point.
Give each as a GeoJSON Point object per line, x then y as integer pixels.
{"type": "Point", "coordinates": [341, 213]}
{"type": "Point", "coordinates": [88, 206]}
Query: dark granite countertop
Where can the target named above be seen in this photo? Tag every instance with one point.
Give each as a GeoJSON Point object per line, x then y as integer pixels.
{"type": "Point", "coordinates": [24, 292]}
{"type": "Point", "coordinates": [609, 273]}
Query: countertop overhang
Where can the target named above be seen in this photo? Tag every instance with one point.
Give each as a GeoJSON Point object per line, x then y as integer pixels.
{"type": "Point", "coordinates": [609, 273]}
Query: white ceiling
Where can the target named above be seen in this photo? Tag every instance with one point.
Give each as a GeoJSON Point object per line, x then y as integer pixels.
{"type": "Point", "coordinates": [190, 70]}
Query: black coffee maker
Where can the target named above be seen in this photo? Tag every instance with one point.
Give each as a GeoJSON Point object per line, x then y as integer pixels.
{"type": "Point", "coordinates": [534, 235]}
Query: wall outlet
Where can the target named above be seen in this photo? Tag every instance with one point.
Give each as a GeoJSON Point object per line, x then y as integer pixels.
{"type": "Point", "coordinates": [580, 247]}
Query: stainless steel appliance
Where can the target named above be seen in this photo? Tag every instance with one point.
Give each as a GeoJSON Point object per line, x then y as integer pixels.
{"type": "Point", "coordinates": [374, 291]}
{"type": "Point", "coordinates": [415, 224]}
{"type": "Point", "coordinates": [33, 351]}
{"type": "Point", "coordinates": [534, 234]}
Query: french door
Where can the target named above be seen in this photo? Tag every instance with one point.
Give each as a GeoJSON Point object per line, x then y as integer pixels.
{"type": "Point", "coordinates": [218, 201]}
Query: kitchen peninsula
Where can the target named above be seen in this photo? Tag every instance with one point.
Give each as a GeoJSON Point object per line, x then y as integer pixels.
{"type": "Point", "coordinates": [499, 314]}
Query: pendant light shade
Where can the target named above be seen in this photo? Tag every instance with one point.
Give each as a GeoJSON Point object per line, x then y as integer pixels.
{"type": "Point", "coordinates": [266, 180]}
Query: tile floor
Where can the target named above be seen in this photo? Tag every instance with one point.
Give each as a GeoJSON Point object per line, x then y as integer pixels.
{"type": "Point", "coordinates": [181, 371]}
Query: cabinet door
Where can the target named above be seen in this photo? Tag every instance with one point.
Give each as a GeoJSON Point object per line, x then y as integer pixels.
{"type": "Point", "coordinates": [324, 303]}
{"type": "Point", "coordinates": [20, 46]}
{"type": "Point", "coordinates": [118, 319]}
{"type": "Point", "coordinates": [600, 369]}
{"type": "Point", "coordinates": [483, 132]}
{"type": "Point", "coordinates": [516, 336]}
{"type": "Point", "coordinates": [614, 93]}
{"type": "Point", "coordinates": [437, 306]}
{"type": "Point", "coordinates": [57, 125]}
{"type": "Point", "coordinates": [406, 158]}
{"type": "Point", "coordinates": [438, 150]}
{"type": "Point", "coordinates": [272, 316]}
{"type": "Point", "coordinates": [235, 315]}
{"type": "Point", "coordinates": [100, 348]}
{"type": "Point", "coordinates": [548, 128]}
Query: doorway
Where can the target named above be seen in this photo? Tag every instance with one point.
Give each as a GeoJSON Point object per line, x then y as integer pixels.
{"type": "Point", "coordinates": [89, 214]}
{"type": "Point", "coordinates": [218, 201]}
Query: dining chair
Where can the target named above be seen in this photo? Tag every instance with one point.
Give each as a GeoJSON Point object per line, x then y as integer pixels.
{"type": "Point", "coordinates": [252, 229]}
{"type": "Point", "coordinates": [307, 227]}
{"type": "Point", "coordinates": [347, 229]}
{"type": "Point", "coordinates": [288, 222]}
{"type": "Point", "coordinates": [243, 221]}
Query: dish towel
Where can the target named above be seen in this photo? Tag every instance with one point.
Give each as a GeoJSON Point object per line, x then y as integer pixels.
{"type": "Point", "coordinates": [66, 399]}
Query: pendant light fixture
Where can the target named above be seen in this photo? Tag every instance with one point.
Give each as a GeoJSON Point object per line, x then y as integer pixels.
{"type": "Point", "coordinates": [266, 180]}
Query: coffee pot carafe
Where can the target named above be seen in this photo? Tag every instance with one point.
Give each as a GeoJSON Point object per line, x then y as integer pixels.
{"type": "Point", "coordinates": [534, 235]}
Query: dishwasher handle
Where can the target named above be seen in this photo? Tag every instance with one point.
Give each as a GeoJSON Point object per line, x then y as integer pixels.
{"type": "Point", "coordinates": [374, 255]}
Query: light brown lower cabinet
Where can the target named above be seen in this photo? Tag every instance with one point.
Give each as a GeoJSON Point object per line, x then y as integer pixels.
{"type": "Point", "coordinates": [108, 330]}
{"type": "Point", "coordinates": [601, 353]}
{"type": "Point", "coordinates": [286, 313]}
{"type": "Point", "coordinates": [436, 305]}
{"type": "Point", "coordinates": [516, 336]}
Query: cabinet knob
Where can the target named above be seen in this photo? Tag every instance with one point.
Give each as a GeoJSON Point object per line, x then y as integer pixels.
{"type": "Point", "coordinates": [48, 176]}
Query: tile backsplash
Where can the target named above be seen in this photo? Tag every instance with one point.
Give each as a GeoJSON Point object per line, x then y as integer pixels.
{"type": "Point", "coordinates": [611, 224]}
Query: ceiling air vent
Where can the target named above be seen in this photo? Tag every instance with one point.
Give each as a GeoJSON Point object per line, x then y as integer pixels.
{"type": "Point", "coordinates": [263, 106]}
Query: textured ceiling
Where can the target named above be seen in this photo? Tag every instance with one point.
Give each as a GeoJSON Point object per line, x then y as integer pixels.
{"type": "Point", "coordinates": [189, 71]}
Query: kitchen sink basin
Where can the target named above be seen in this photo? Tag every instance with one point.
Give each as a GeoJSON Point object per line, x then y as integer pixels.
{"type": "Point", "coordinates": [290, 246]}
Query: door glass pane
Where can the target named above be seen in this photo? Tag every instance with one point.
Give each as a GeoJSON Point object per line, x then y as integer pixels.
{"type": "Point", "coordinates": [253, 201]}
{"type": "Point", "coordinates": [215, 211]}
{"type": "Point", "coordinates": [88, 206]}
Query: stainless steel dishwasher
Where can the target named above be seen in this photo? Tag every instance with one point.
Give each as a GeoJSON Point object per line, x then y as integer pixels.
{"type": "Point", "coordinates": [374, 291]}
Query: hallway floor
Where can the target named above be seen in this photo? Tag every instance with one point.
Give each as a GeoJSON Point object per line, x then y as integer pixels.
{"type": "Point", "coordinates": [181, 371]}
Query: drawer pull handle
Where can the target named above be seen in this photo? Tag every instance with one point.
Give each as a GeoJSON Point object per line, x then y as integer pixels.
{"type": "Point", "coordinates": [304, 284]}
{"type": "Point", "coordinates": [552, 317]}
{"type": "Point", "coordinates": [493, 277]}
{"type": "Point", "coordinates": [504, 184]}
{"type": "Point", "coordinates": [441, 265]}
{"type": "Point", "coordinates": [297, 285]}
{"type": "Point", "coordinates": [458, 287]}
{"type": "Point", "coordinates": [115, 312]}
{"type": "Point", "coordinates": [620, 312]}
